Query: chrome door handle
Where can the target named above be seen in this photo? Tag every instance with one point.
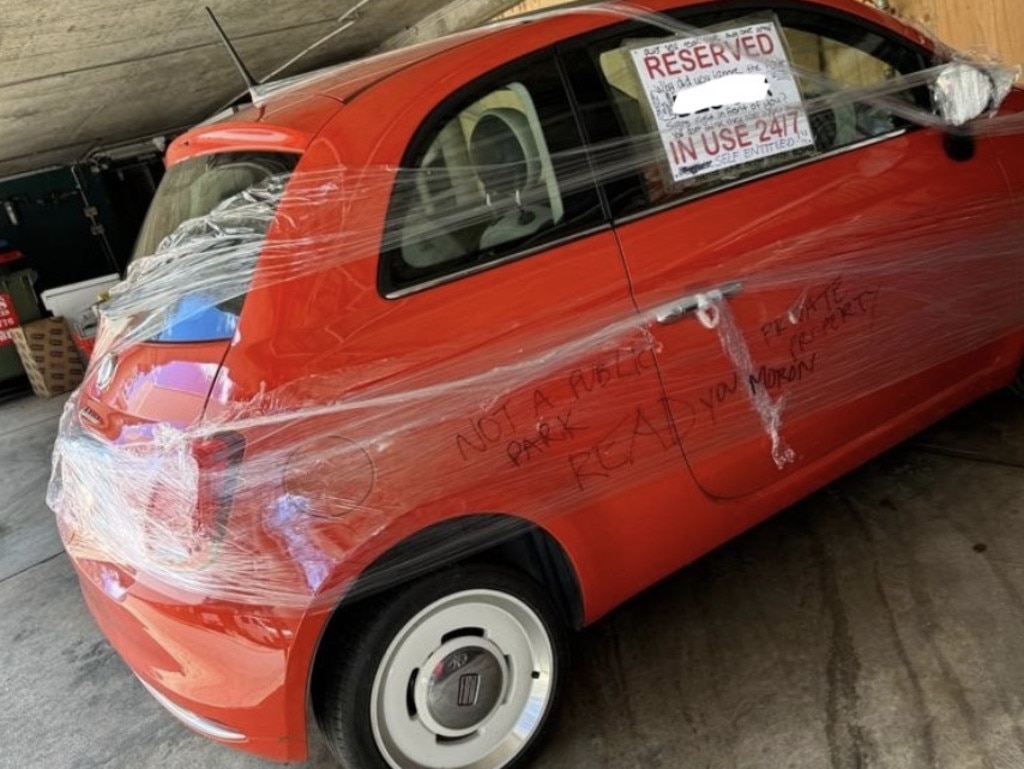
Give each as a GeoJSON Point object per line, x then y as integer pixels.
{"type": "Point", "coordinates": [679, 309]}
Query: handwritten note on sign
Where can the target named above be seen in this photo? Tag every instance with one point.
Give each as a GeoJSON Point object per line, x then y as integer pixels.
{"type": "Point", "coordinates": [728, 133]}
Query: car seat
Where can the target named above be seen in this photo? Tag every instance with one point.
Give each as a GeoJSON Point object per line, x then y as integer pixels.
{"type": "Point", "coordinates": [510, 167]}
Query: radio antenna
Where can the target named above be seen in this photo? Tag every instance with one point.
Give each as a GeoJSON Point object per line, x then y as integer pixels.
{"type": "Point", "coordinates": [250, 81]}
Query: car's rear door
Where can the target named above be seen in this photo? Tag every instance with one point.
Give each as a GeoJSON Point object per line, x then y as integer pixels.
{"type": "Point", "coordinates": [801, 300]}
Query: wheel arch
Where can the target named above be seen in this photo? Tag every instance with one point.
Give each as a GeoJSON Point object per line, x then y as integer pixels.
{"type": "Point", "coordinates": [499, 537]}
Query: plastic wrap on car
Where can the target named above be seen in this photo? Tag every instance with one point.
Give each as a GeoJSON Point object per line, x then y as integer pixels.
{"type": "Point", "coordinates": [280, 492]}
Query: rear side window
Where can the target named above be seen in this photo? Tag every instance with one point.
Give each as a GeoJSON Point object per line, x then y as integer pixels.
{"type": "Point", "coordinates": [209, 218]}
{"type": "Point", "coordinates": [495, 172]}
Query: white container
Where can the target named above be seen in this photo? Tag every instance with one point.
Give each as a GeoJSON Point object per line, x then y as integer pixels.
{"type": "Point", "coordinates": [72, 300]}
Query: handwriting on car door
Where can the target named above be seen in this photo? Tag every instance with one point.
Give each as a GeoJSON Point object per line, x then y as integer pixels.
{"type": "Point", "coordinates": [530, 425]}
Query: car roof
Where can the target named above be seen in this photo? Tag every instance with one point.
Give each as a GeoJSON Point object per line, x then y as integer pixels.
{"type": "Point", "coordinates": [303, 104]}
{"type": "Point", "coordinates": [346, 81]}
{"type": "Point", "coordinates": [287, 114]}
{"type": "Point", "coordinates": [343, 81]}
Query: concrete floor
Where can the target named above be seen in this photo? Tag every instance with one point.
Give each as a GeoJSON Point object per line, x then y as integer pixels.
{"type": "Point", "coordinates": [878, 624]}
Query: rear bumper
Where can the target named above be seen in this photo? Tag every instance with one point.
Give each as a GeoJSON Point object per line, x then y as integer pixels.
{"type": "Point", "coordinates": [194, 721]}
{"type": "Point", "coordinates": [236, 674]}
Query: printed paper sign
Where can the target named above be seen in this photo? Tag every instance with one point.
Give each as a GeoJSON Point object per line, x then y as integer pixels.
{"type": "Point", "coordinates": [730, 130]}
{"type": "Point", "coordinates": [8, 319]}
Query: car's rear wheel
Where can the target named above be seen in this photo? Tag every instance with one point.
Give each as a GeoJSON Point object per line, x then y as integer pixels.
{"type": "Point", "coordinates": [457, 670]}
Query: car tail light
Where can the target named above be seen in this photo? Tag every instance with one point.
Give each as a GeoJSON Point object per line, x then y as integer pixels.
{"type": "Point", "coordinates": [217, 458]}
{"type": "Point", "coordinates": [186, 524]}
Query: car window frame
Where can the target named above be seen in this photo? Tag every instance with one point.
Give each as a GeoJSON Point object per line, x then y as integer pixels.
{"type": "Point", "coordinates": [441, 114]}
{"type": "Point", "coordinates": [737, 10]}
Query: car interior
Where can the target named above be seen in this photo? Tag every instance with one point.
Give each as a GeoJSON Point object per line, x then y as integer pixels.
{"type": "Point", "coordinates": [485, 182]}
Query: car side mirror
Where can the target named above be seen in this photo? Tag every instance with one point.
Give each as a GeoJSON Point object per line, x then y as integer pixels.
{"type": "Point", "coordinates": [963, 92]}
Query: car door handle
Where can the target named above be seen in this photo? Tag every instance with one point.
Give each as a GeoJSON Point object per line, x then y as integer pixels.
{"type": "Point", "coordinates": [679, 309]}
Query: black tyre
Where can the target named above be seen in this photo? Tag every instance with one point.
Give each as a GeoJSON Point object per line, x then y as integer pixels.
{"type": "Point", "coordinates": [461, 668]}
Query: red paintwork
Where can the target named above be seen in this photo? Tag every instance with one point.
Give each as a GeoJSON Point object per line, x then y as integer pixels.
{"type": "Point", "coordinates": [247, 666]}
{"type": "Point", "coordinates": [285, 127]}
{"type": "Point", "coordinates": [150, 385]}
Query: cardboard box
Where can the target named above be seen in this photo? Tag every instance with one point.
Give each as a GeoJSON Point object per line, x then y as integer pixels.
{"type": "Point", "coordinates": [49, 356]}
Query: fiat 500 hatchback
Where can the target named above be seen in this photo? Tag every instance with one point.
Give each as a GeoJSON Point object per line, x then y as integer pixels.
{"type": "Point", "coordinates": [427, 359]}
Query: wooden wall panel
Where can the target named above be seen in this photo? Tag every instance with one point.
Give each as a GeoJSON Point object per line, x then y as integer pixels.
{"type": "Point", "coordinates": [529, 6]}
{"type": "Point", "coordinates": [993, 26]}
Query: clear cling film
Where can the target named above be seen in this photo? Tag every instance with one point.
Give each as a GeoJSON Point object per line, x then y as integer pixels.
{"type": "Point", "coordinates": [539, 300]}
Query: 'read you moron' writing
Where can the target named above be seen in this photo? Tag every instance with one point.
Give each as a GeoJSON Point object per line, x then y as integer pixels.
{"type": "Point", "coordinates": [730, 124]}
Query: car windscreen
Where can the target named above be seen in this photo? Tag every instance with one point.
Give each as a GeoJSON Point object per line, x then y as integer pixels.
{"type": "Point", "coordinates": [205, 207]}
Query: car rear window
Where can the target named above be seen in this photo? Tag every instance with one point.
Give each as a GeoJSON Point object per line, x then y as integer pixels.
{"type": "Point", "coordinates": [208, 205]}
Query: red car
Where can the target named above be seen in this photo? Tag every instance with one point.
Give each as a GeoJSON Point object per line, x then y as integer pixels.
{"type": "Point", "coordinates": [427, 359]}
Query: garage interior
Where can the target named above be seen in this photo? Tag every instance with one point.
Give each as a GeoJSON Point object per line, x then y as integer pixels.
{"type": "Point", "coordinates": [879, 623]}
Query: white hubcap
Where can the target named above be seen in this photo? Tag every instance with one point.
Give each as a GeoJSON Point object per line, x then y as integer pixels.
{"type": "Point", "coordinates": [464, 685]}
